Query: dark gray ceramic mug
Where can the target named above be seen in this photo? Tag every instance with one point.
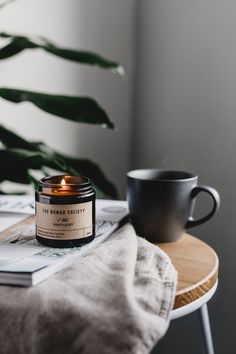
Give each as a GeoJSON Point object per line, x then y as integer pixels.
{"type": "Point", "coordinates": [161, 203]}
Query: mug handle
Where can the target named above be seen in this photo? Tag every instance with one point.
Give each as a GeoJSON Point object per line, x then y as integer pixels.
{"type": "Point", "coordinates": [216, 204]}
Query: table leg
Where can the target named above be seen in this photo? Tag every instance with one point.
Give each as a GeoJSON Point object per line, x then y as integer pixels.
{"type": "Point", "coordinates": [206, 329]}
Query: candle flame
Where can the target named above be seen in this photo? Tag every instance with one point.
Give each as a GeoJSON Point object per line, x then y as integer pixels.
{"type": "Point", "coordinates": [63, 182]}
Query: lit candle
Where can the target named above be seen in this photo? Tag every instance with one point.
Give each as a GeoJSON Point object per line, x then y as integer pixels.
{"type": "Point", "coordinates": [65, 211]}
{"type": "Point", "coordinates": [63, 182]}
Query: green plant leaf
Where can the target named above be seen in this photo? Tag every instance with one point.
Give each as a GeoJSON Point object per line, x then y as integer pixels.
{"type": "Point", "coordinates": [14, 141]}
{"type": "Point", "coordinates": [27, 151]}
{"type": "Point", "coordinates": [14, 47]}
{"type": "Point", "coordinates": [68, 164]}
{"type": "Point", "coordinates": [93, 171]}
{"type": "Point", "coordinates": [20, 43]}
{"type": "Point", "coordinates": [22, 156]}
{"type": "Point", "coordinates": [77, 109]}
{"type": "Point", "coordinates": [24, 159]}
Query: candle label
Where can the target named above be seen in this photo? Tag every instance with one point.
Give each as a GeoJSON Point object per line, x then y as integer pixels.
{"type": "Point", "coordinates": [64, 222]}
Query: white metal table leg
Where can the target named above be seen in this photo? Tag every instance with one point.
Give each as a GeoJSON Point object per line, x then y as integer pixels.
{"type": "Point", "coordinates": [206, 329]}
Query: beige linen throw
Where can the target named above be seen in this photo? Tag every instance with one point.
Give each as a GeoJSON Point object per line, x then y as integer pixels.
{"type": "Point", "coordinates": [117, 299]}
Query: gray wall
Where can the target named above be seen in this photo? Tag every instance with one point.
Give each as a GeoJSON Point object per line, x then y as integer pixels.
{"type": "Point", "coordinates": [105, 27]}
{"type": "Point", "coordinates": [186, 119]}
{"type": "Point", "coordinates": [185, 107]}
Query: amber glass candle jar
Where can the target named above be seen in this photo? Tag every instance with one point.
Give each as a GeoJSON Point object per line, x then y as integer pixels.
{"type": "Point", "coordinates": [65, 211]}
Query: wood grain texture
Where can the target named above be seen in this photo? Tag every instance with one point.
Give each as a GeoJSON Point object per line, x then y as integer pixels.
{"type": "Point", "coordinates": [197, 267]}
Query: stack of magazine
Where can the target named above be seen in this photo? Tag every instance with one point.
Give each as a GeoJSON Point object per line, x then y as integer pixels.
{"type": "Point", "coordinates": [25, 262]}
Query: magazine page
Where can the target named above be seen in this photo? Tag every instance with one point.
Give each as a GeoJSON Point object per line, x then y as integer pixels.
{"type": "Point", "coordinates": [20, 252]}
{"type": "Point", "coordinates": [20, 204]}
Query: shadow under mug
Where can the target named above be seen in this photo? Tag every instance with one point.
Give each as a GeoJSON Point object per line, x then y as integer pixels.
{"type": "Point", "coordinates": [161, 203]}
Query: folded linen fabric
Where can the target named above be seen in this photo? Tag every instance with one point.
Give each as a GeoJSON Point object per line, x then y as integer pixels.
{"type": "Point", "coordinates": [115, 300]}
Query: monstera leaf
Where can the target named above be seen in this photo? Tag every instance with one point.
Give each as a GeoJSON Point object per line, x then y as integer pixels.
{"type": "Point", "coordinates": [18, 44]}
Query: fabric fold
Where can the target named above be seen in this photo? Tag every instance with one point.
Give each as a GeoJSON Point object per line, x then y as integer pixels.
{"type": "Point", "coordinates": [115, 300]}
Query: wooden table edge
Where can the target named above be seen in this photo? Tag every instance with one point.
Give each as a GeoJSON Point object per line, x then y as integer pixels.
{"type": "Point", "coordinates": [188, 254]}
{"type": "Point", "coordinates": [194, 292]}
{"type": "Point", "coordinates": [211, 275]}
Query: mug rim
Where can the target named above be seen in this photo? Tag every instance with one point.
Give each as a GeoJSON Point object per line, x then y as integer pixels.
{"type": "Point", "coordinates": [134, 175]}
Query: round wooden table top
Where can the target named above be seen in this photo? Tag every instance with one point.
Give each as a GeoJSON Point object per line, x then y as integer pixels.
{"type": "Point", "coordinates": [197, 267]}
